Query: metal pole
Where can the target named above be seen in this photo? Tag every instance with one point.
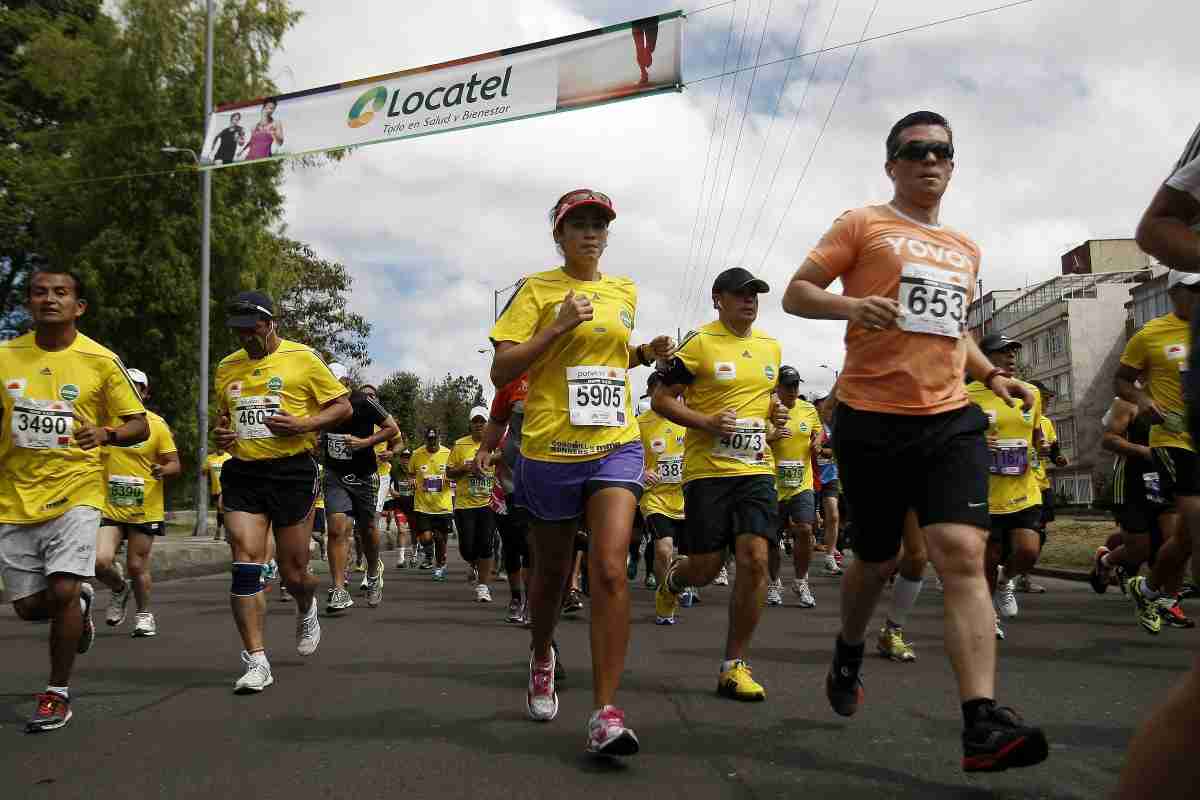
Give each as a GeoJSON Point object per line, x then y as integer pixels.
{"type": "Point", "coordinates": [201, 528]}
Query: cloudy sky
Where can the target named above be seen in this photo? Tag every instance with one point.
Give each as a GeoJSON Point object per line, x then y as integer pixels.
{"type": "Point", "coordinates": [1066, 115]}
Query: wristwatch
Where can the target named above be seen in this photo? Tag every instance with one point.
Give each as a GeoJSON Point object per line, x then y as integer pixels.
{"type": "Point", "coordinates": [110, 436]}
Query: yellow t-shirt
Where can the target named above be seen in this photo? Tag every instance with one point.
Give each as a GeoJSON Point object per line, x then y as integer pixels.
{"type": "Point", "coordinates": [663, 444]}
{"type": "Point", "coordinates": [43, 473]}
{"type": "Point", "coordinates": [213, 465]}
{"type": "Point", "coordinates": [579, 405]}
{"type": "Point", "coordinates": [472, 491]}
{"type": "Point", "coordinates": [722, 370]}
{"type": "Point", "coordinates": [134, 494]}
{"type": "Point", "coordinates": [385, 467]}
{"type": "Point", "coordinates": [1160, 351]}
{"type": "Point", "coordinates": [431, 486]}
{"type": "Point", "coordinates": [1049, 436]}
{"type": "Point", "coordinates": [293, 379]}
{"type": "Point", "coordinates": [793, 462]}
{"type": "Point", "coordinates": [1012, 484]}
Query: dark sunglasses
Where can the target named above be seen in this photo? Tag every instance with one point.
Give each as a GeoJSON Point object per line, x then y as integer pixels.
{"type": "Point", "coordinates": [917, 150]}
{"type": "Point", "coordinates": [583, 194]}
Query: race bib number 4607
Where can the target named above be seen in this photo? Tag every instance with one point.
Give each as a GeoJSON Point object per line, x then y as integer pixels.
{"type": "Point", "coordinates": [932, 300]}
{"type": "Point", "coordinates": [42, 424]}
{"type": "Point", "coordinates": [596, 396]}
{"type": "Point", "coordinates": [250, 416]}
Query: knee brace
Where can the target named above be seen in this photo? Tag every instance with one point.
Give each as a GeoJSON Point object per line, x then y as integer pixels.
{"type": "Point", "coordinates": [247, 579]}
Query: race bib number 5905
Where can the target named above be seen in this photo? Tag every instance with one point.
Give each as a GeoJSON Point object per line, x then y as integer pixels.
{"type": "Point", "coordinates": [932, 300]}
{"type": "Point", "coordinates": [596, 396]}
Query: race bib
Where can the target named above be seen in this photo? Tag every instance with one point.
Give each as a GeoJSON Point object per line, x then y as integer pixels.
{"type": "Point", "coordinates": [126, 491]}
{"type": "Point", "coordinates": [932, 300]}
{"type": "Point", "coordinates": [596, 396]}
{"type": "Point", "coordinates": [791, 474]}
{"type": "Point", "coordinates": [404, 487]}
{"type": "Point", "coordinates": [42, 424]}
{"type": "Point", "coordinates": [480, 485]}
{"type": "Point", "coordinates": [1010, 457]}
{"type": "Point", "coordinates": [670, 469]}
{"type": "Point", "coordinates": [433, 485]}
{"type": "Point", "coordinates": [747, 443]}
{"type": "Point", "coordinates": [337, 445]}
{"type": "Point", "coordinates": [250, 415]}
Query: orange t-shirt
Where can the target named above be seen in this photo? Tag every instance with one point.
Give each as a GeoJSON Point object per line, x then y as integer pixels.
{"type": "Point", "coordinates": [917, 368]}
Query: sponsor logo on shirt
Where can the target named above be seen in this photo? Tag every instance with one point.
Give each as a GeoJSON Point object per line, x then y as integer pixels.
{"type": "Point", "coordinates": [1175, 352]}
{"type": "Point", "coordinates": [658, 445]}
{"type": "Point", "coordinates": [235, 389]}
{"type": "Point", "coordinates": [15, 387]}
{"type": "Point", "coordinates": [69, 391]}
{"type": "Point", "coordinates": [724, 370]}
{"type": "Point", "coordinates": [46, 371]}
{"type": "Point", "coordinates": [275, 384]}
{"type": "Point", "coordinates": [769, 371]}
{"type": "Point", "coordinates": [626, 319]}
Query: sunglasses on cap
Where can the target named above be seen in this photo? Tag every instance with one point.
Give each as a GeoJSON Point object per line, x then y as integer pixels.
{"type": "Point", "coordinates": [249, 308]}
{"type": "Point", "coordinates": [917, 150]}
{"type": "Point", "coordinates": [580, 195]}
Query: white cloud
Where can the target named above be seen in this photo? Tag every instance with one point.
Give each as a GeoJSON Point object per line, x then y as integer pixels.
{"type": "Point", "coordinates": [1066, 117]}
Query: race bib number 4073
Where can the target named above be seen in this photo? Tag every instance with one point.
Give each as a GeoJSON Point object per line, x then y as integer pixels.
{"type": "Point", "coordinates": [748, 442]}
{"type": "Point", "coordinates": [42, 424]}
{"type": "Point", "coordinates": [932, 300]}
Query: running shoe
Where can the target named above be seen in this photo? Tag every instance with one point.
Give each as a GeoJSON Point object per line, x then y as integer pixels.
{"type": "Point", "coordinates": [695, 595]}
{"type": "Point", "coordinates": [938, 585]}
{"type": "Point", "coordinates": [831, 568]}
{"type": "Point", "coordinates": [722, 578]}
{"type": "Point", "coordinates": [401, 561]}
{"type": "Point", "coordinates": [514, 611]}
{"type": "Point", "coordinates": [53, 712]}
{"type": "Point", "coordinates": [607, 734]}
{"type": "Point", "coordinates": [284, 594]}
{"type": "Point", "coordinates": [1188, 590]}
{"type": "Point", "coordinates": [1172, 613]}
{"type": "Point", "coordinates": [541, 700]}
{"type": "Point", "coordinates": [118, 604]}
{"type": "Point", "coordinates": [803, 593]}
{"type": "Point", "coordinates": [144, 626]}
{"type": "Point", "coordinates": [1005, 600]}
{"type": "Point", "coordinates": [1098, 577]}
{"type": "Point", "coordinates": [257, 677]}
{"type": "Point", "coordinates": [482, 593]}
{"type": "Point", "coordinates": [375, 590]}
{"type": "Point", "coordinates": [631, 568]}
{"type": "Point", "coordinates": [308, 630]}
{"type": "Point", "coordinates": [339, 600]}
{"type": "Point", "coordinates": [270, 571]}
{"type": "Point", "coordinates": [560, 672]}
{"type": "Point", "coordinates": [844, 687]}
{"type": "Point", "coordinates": [360, 565]}
{"type": "Point", "coordinates": [426, 564]}
{"type": "Point", "coordinates": [998, 739]}
{"type": "Point", "coordinates": [999, 631]}
{"type": "Point", "coordinates": [1024, 584]}
{"type": "Point", "coordinates": [774, 594]}
{"type": "Point", "coordinates": [440, 575]}
{"type": "Point", "coordinates": [1145, 609]}
{"type": "Point", "coordinates": [473, 575]}
{"type": "Point", "coordinates": [738, 683]}
{"type": "Point", "coordinates": [651, 582]}
{"type": "Point", "coordinates": [687, 597]}
{"type": "Point", "coordinates": [787, 545]}
{"type": "Point", "coordinates": [87, 596]}
{"type": "Point", "coordinates": [665, 603]}
{"type": "Point", "coordinates": [573, 602]}
{"type": "Point", "coordinates": [892, 645]}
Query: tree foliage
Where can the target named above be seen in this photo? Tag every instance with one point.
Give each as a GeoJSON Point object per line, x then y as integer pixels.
{"type": "Point", "coordinates": [417, 405]}
{"type": "Point", "coordinates": [313, 308]}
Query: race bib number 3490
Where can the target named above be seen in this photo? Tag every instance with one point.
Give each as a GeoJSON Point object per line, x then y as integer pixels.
{"type": "Point", "coordinates": [42, 424]}
{"type": "Point", "coordinates": [932, 300]}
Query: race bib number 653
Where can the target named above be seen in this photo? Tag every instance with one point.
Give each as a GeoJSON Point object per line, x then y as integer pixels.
{"type": "Point", "coordinates": [932, 300]}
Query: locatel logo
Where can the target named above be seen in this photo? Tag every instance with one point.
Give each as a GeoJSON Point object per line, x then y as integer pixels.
{"type": "Point", "coordinates": [359, 115]}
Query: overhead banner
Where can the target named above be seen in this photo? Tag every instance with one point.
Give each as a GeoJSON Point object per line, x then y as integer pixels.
{"type": "Point", "coordinates": [620, 62]}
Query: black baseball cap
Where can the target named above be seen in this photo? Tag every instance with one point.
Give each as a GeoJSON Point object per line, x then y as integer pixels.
{"type": "Point", "coordinates": [788, 376]}
{"type": "Point", "coordinates": [998, 341]}
{"type": "Point", "coordinates": [247, 308]}
{"type": "Point", "coordinates": [735, 279]}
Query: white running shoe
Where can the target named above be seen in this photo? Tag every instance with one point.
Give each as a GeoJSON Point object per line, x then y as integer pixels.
{"type": "Point", "coordinates": [607, 734]}
{"type": "Point", "coordinates": [482, 593]}
{"type": "Point", "coordinates": [999, 631]}
{"type": "Point", "coordinates": [144, 625]}
{"type": "Point", "coordinates": [938, 585]}
{"type": "Point", "coordinates": [805, 595]}
{"type": "Point", "coordinates": [339, 600]}
{"type": "Point", "coordinates": [118, 604]}
{"type": "Point", "coordinates": [831, 568]}
{"type": "Point", "coordinates": [87, 596]}
{"type": "Point", "coordinates": [375, 590]}
{"type": "Point", "coordinates": [308, 630]}
{"type": "Point", "coordinates": [257, 677]}
{"type": "Point", "coordinates": [774, 595]}
{"type": "Point", "coordinates": [722, 578]}
{"type": "Point", "coordinates": [541, 700]}
{"type": "Point", "coordinates": [1005, 600]}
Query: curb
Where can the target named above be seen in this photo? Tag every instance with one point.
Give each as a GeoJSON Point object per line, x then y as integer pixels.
{"type": "Point", "coordinates": [1062, 574]}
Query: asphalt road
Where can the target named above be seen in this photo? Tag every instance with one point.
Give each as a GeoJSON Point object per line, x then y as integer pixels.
{"type": "Point", "coordinates": [424, 697]}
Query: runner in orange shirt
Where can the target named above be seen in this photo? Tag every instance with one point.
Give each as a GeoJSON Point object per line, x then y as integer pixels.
{"type": "Point", "coordinates": [906, 435]}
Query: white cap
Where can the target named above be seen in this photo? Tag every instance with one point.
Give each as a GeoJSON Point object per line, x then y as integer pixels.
{"type": "Point", "coordinates": [339, 370]}
{"type": "Point", "coordinates": [137, 376]}
{"type": "Point", "coordinates": [479, 411]}
{"type": "Point", "coordinates": [1177, 278]}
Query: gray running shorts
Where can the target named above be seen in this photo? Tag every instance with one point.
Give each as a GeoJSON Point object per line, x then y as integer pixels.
{"type": "Point", "coordinates": [67, 544]}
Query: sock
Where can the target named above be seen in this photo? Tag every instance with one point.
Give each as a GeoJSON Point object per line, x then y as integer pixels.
{"type": "Point", "coordinates": [259, 655]}
{"type": "Point", "coordinates": [62, 691]}
{"type": "Point", "coordinates": [846, 653]}
{"type": "Point", "coordinates": [1148, 592]}
{"type": "Point", "coordinates": [729, 664]}
{"type": "Point", "coordinates": [402, 552]}
{"type": "Point", "coordinates": [971, 709]}
{"type": "Point", "coordinates": [904, 597]}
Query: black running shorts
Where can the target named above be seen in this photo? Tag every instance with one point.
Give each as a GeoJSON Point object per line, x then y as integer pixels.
{"type": "Point", "coordinates": [281, 489]}
{"type": "Point", "coordinates": [147, 528]}
{"type": "Point", "coordinates": [423, 523]}
{"type": "Point", "coordinates": [661, 526]}
{"type": "Point", "coordinates": [476, 532]}
{"type": "Point", "coordinates": [936, 465]}
{"type": "Point", "coordinates": [718, 510]}
{"type": "Point", "coordinates": [1177, 472]}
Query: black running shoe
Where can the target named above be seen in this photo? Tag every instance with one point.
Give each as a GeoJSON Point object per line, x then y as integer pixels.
{"type": "Point", "coordinates": [1188, 590]}
{"type": "Point", "coordinates": [844, 687]}
{"type": "Point", "coordinates": [999, 739]}
{"type": "Point", "coordinates": [560, 672]}
{"type": "Point", "coordinates": [1098, 577]}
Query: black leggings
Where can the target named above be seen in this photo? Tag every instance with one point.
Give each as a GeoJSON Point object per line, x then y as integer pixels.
{"type": "Point", "coordinates": [514, 536]}
{"type": "Point", "coordinates": [476, 529]}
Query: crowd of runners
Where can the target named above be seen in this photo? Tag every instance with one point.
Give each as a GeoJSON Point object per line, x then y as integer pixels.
{"type": "Point", "coordinates": [927, 450]}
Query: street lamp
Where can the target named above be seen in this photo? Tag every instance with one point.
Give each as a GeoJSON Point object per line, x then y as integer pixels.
{"type": "Point", "coordinates": [831, 369]}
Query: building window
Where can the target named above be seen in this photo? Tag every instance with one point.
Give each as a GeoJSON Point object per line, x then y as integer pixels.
{"type": "Point", "coordinates": [1035, 351]}
{"type": "Point", "coordinates": [1064, 389]}
{"type": "Point", "coordinates": [1056, 342]}
{"type": "Point", "coordinates": [1066, 433]}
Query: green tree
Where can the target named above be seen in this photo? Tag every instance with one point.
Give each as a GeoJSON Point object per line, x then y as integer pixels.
{"type": "Point", "coordinates": [399, 394]}
{"type": "Point", "coordinates": [313, 308]}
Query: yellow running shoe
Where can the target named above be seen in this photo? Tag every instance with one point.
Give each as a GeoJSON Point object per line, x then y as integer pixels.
{"type": "Point", "coordinates": [665, 604]}
{"type": "Point", "coordinates": [738, 683]}
{"type": "Point", "coordinates": [893, 646]}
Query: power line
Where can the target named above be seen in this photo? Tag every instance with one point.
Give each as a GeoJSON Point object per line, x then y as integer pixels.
{"type": "Point", "coordinates": [820, 133]}
{"type": "Point", "coordinates": [876, 38]}
{"type": "Point", "coordinates": [109, 178]}
{"type": "Point", "coordinates": [708, 8]}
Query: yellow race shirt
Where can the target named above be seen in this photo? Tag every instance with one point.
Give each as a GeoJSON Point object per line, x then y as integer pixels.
{"type": "Point", "coordinates": [134, 494]}
{"type": "Point", "coordinates": [293, 379]}
{"type": "Point", "coordinates": [385, 466]}
{"type": "Point", "coordinates": [43, 473]}
{"type": "Point", "coordinates": [432, 488]}
{"type": "Point", "coordinates": [722, 370]}
{"type": "Point", "coordinates": [1049, 436]}
{"type": "Point", "coordinates": [663, 444]}
{"type": "Point", "coordinates": [212, 465]}
{"type": "Point", "coordinates": [472, 491]}
{"type": "Point", "coordinates": [579, 405]}
{"type": "Point", "coordinates": [1160, 351]}
{"type": "Point", "coordinates": [1012, 484]}
{"type": "Point", "coordinates": [793, 454]}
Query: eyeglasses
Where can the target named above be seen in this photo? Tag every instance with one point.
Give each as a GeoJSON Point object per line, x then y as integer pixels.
{"type": "Point", "coordinates": [579, 195]}
{"type": "Point", "coordinates": [917, 150]}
